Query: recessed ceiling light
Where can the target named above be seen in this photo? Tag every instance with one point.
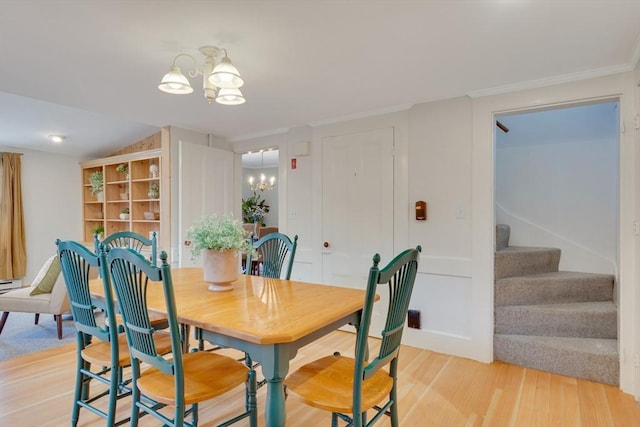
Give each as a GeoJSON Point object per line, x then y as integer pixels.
{"type": "Point", "coordinates": [57, 138]}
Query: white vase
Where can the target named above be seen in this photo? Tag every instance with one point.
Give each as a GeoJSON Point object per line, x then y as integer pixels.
{"type": "Point", "coordinates": [220, 268]}
{"type": "Point", "coordinates": [100, 196]}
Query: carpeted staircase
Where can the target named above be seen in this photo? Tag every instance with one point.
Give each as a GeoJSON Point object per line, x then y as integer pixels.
{"type": "Point", "coordinates": [556, 321]}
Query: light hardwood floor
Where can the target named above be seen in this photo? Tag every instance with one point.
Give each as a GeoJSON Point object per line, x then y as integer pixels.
{"type": "Point", "coordinates": [434, 390]}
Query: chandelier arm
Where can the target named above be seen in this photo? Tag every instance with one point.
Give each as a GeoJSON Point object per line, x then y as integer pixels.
{"type": "Point", "coordinates": [196, 72]}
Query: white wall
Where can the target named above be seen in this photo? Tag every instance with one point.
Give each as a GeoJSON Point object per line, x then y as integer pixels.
{"type": "Point", "coordinates": [446, 158]}
{"type": "Point", "coordinates": [548, 155]}
{"type": "Point", "coordinates": [52, 203]}
{"type": "Point", "coordinates": [440, 144]}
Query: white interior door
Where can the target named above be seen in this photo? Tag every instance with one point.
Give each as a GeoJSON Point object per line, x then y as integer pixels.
{"type": "Point", "coordinates": [205, 188]}
{"type": "Point", "coordinates": [357, 204]}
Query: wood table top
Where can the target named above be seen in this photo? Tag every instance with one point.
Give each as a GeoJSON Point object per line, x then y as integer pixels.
{"type": "Point", "coordinates": [257, 309]}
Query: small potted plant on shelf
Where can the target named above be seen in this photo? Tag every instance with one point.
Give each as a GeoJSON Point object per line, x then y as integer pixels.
{"type": "Point", "coordinates": [99, 230]}
{"type": "Point", "coordinates": [124, 213]}
{"type": "Point", "coordinates": [220, 240]}
{"type": "Point", "coordinates": [123, 168]}
{"type": "Point", "coordinates": [154, 191]}
{"type": "Point", "coordinates": [96, 180]}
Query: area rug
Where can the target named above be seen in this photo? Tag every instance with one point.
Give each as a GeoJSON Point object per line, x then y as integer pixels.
{"type": "Point", "coordinates": [20, 336]}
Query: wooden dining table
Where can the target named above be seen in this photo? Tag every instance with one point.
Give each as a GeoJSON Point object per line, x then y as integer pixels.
{"type": "Point", "coordinates": [271, 319]}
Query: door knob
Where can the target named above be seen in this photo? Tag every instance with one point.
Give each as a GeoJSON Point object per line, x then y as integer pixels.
{"type": "Point", "coordinates": [187, 242]}
{"type": "Point", "coordinates": [325, 244]}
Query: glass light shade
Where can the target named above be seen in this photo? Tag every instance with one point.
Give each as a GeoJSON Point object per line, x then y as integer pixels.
{"type": "Point", "coordinates": [225, 75]}
{"type": "Point", "coordinates": [175, 82]}
{"type": "Point", "coordinates": [230, 97]}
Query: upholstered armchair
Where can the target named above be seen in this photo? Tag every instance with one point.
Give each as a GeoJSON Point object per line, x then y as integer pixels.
{"type": "Point", "coordinates": [47, 294]}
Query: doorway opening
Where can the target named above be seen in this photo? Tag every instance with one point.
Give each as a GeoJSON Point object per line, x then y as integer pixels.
{"type": "Point", "coordinates": [260, 188]}
{"type": "Point", "coordinates": [556, 182]}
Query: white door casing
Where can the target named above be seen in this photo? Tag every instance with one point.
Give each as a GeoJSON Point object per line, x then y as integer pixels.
{"type": "Point", "coordinates": [206, 187]}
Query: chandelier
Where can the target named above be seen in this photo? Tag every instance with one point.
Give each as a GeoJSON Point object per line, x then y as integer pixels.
{"type": "Point", "coordinates": [263, 184]}
{"type": "Point", "coordinates": [220, 79]}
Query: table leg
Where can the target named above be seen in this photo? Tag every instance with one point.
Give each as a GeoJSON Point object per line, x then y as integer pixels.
{"type": "Point", "coordinates": [275, 415]}
{"type": "Point", "coordinates": [275, 367]}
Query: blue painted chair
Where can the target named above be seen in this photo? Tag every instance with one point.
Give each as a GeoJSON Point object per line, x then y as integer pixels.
{"type": "Point", "coordinates": [168, 385]}
{"type": "Point", "coordinates": [349, 387]}
{"type": "Point", "coordinates": [138, 243]}
{"type": "Point", "coordinates": [99, 344]}
{"type": "Point", "coordinates": [273, 249]}
{"type": "Point", "coordinates": [131, 240]}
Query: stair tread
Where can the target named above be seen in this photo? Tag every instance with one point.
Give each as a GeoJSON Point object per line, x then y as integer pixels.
{"type": "Point", "coordinates": [526, 249]}
{"type": "Point", "coordinates": [588, 306]}
{"type": "Point", "coordinates": [600, 346]}
{"type": "Point", "coordinates": [559, 275]}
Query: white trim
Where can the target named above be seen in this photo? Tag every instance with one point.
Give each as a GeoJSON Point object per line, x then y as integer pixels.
{"type": "Point", "coordinates": [634, 62]}
{"type": "Point", "coordinates": [555, 80]}
{"type": "Point", "coordinates": [248, 136]}
{"type": "Point", "coordinates": [445, 266]}
{"type": "Point", "coordinates": [382, 111]}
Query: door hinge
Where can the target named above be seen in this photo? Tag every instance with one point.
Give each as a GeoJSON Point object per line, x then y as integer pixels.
{"type": "Point", "coordinates": [636, 228]}
{"type": "Point", "coordinates": [636, 121]}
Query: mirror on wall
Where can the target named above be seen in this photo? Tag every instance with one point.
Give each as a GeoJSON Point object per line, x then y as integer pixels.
{"type": "Point", "coordinates": [260, 187]}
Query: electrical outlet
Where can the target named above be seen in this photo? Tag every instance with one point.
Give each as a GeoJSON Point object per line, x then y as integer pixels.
{"type": "Point", "coordinates": [414, 319]}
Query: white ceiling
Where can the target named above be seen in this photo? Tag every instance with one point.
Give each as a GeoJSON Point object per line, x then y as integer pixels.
{"type": "Point", "coordinates": [260, 159]}
{"type": "Point", "coordinates": [90, 69]}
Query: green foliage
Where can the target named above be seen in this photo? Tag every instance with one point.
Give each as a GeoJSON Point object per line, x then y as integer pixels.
{"type": "Point", "coordinates": [212, 232]}
{"type": "Point", "coordinates": [124, 211]}
{"type": "Point", "coordinates": [122, 168]}
{"type": "Point", "coordinates": [98, 229]}
{"type": "Point", "coordinates": [254, 208]}
{"type": "Point", "coordinates": [96, 180]}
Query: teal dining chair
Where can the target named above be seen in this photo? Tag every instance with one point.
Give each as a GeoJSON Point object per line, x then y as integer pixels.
{"type": "Point", "coordinates": [97, 343]}
{"type": "Point", "coordinates": [131, 240]}
{"type": "Point", "coordinates": [171, 388]}
{"type": "Point", "coordinates": [140, 244]}
{"type": "Point", "coordinates": [348, 387]}
{"type": "Point", "coordinates": [272, 250]}
{"type": "Point", "coordinates": [101, 352]}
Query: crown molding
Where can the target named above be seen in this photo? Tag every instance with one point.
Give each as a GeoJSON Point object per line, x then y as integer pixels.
{"type": "Point", "coordinates": [380, 112]}
{"type": "Point", "coordinates": [565, 78]}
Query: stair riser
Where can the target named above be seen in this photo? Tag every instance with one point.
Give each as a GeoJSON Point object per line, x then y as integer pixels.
{"type": "Point", "coordinates": [522, 321]}
{"type": "Point", "coordinates": [527, 291]}
{"type": "Point", "coordinates": [513, 263]}
{"type": "Point", "coordinates": [602, 368]}
{"type": "Point", "coordinates": [503, 233]}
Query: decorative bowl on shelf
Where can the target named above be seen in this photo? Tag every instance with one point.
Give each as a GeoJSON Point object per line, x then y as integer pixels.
{"type": "Point", "coordinates": [149, 216]}
{"type": "Point", "coordinates": [124, 216]}
{"type": "Point", "coordinates": [124, 196]}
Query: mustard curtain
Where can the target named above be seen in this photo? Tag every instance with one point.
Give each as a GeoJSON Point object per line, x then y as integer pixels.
{"type": "Point", "coordinates": [13, 254]}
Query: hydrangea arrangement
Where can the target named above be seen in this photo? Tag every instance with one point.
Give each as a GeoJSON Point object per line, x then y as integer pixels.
{"type": "Point", "coordinates": [220, 233]}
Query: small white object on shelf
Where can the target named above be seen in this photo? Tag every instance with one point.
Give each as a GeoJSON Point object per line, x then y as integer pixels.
{"type": "Point", "coordinates": [153, 170]}
{"type": "Point", "coordinates": [149, 216]}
